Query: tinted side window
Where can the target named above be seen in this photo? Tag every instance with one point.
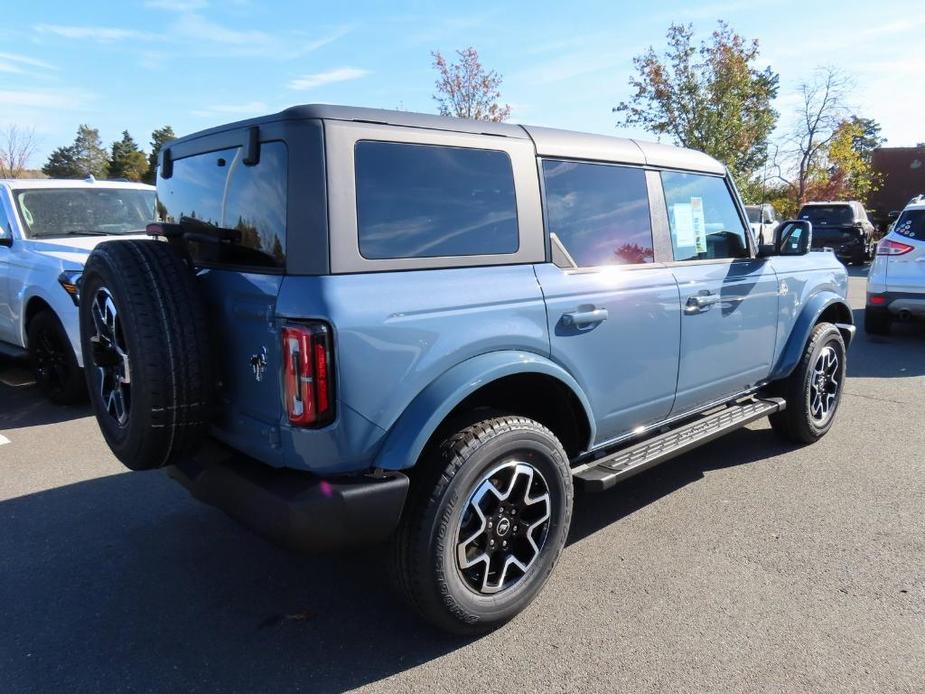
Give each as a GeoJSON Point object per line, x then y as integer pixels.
{"type": "Point", "coordinates": [704, 221]}
{"type": "Point", "coordinates": [420, 201]}
{"type": "Point", "coordinates": [598, 213]}
{"type": "Point", "coordinates": [218, 189]}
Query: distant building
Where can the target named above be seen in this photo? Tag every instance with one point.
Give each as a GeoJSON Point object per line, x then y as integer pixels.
{"type": "Point", "coordinates": [903, 170]}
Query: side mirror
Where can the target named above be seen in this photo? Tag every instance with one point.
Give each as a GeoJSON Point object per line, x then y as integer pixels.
{"type": "Point", "coordinates": [6, 238]}
{"type": "Point", "coordinates": [793, 237]}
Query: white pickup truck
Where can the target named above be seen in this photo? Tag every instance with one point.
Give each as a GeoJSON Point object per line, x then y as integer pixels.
{"type": "Point", "coordinates": [47, 229]}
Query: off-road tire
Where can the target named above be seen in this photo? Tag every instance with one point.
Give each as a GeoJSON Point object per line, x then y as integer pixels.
{"type": "Point", "coordinates": [424, 549]}
{"type": "Point", "coordinates": [877, 321]}
{"type": "Point", "coordinates": [796, 423]}
{"type": "Point", "coordinates": [57, 373]}
{"type": "Point", "coordinates": [163, 325]}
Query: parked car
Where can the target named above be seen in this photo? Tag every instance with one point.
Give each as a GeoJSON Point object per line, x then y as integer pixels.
{"type": "Point", "coordinates": [763, 221]}
{"type": "Point", "coordinates": [389, 326]}
{"type": "Point", "coordinates": [896, 281]}
{"type": "Point", "coordinates": [843, 227]}
{"type": "Point", "coordinates": [47, 229]}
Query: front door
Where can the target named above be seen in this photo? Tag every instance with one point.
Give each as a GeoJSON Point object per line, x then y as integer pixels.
{"type": "Point", "coordinates": [7, 332]}
{"type": "Point", "coordinates": [613, 314]}
{"type": "Point", "coordinates": [729, 299]}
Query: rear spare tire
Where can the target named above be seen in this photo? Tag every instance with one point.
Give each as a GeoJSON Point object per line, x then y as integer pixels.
{"type": "Point", "coordinates": [145, 345]}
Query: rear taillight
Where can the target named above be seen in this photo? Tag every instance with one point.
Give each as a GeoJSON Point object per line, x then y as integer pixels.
{"type": "Point", "coordinates": [889, 247]}
{"type": "Point", "coordinates": [307, 374]}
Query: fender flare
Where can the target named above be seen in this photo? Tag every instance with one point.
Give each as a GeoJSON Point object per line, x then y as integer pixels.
{"type": "Point", "coordinates": [414, 427]}
{"type": "Point", "coordinates": [809, 316]}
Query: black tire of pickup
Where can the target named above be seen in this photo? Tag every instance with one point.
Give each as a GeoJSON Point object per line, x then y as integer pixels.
{"type": "Point", "coordinates": [145, 345]}
{"type": "Point", "coordinates": [424, 553]}
{"type": "Point", "coordinates": [797, 423]}
{"type": "Point", "coordinates": [57, 373]}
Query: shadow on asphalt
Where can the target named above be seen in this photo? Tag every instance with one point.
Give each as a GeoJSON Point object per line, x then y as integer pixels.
{"type": "Point", "coordinates": [897, 355]}
{"type": "Point", "coordinates": [125, 582]}
{"type": "Point", "coordinates": [21, 405]}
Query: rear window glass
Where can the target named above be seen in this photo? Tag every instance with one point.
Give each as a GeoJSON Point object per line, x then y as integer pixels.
{"type": "Point", "coordinates": [754, 214]}
{"type": "Point", "coordinates": [911, 223]}
{"type": "Point", "coordinates": [598, 214]}
{"type": "Point", "coordinates": [420, 201]}
{"type": "Point", "coordinates": [218, 189]}
{"type": "Point", "coordinates": [827, 215]}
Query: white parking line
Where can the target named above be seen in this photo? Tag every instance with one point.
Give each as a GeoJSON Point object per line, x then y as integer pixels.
{"type": "Point", "coordinates": [3, 439]}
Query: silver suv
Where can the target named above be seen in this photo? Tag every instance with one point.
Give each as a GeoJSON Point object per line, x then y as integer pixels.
{"type": "Point", "coordinates": [896, 282]}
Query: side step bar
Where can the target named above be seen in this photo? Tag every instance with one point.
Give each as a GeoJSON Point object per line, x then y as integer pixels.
{"type": "Point", "coordinates": [604, 473]}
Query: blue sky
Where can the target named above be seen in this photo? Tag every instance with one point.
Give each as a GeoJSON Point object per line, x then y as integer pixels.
{"type": "Point", "coordinates": [138, 64]}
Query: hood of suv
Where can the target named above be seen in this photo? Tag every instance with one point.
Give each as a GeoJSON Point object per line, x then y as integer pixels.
{"type": "Point", "coordinates": [74, 249]}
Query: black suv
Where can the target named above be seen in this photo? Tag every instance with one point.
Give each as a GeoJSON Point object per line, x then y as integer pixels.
{"type": "Point", "coordinates": [843, 227]}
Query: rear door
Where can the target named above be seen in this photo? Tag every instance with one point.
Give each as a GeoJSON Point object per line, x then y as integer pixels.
{"type": "Point", "coordinates": [613, 311]}
{"type": "Point", "coordinates": [906, 272]}
{"type": "Point", "coordinates": [728, 297]}
{"type": "Point", "coordinates": [240, 279]}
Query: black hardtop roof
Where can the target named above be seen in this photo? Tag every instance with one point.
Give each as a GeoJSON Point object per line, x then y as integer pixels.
{"type": "Point", "coordinates": [548, 141]}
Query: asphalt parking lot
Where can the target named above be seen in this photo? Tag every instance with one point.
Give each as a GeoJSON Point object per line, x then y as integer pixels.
{"type": "Point", "coordinates": [748, 565]}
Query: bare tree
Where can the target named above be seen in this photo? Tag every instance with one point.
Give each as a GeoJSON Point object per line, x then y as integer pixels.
{"type": "Point", "coordinates": [467, 90]}
{"type": "Point", "coordinates": [17, 145]}
{"type": "Point", "coordinates": [821, 110]}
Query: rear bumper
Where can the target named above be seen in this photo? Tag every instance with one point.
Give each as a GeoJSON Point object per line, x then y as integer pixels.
{"type": "Point", "coordinates": [291, 508]}
{"type": "Point", "coordinates": [900, 304]}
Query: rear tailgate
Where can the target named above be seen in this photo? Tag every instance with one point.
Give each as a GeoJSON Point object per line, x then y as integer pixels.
{"type": "Point", "coordinates": [247, 349]}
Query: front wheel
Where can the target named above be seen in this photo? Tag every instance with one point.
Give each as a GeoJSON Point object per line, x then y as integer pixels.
{"type": "Point", "coordinates": [57, 373]}
{"type": "Point", "coordinates": [813, 391]}
{"type": "Point", "coordinates": [485, 523]}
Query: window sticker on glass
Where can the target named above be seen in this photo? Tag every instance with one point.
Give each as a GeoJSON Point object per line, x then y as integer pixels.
{"type": "Point", "coordinates": [699, 225]}
{"type": "Point", "coordinates": [683, 224]}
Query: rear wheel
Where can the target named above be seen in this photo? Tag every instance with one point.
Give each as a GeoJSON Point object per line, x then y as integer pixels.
{"type": "Point", "coordinates": [142, 326]}
{"type": "Point", "coordinates": [813, 391]}
{"type": "Point", "coordinates": [486, 521]}
{"type": "Point", "coordinates": [56, 370]}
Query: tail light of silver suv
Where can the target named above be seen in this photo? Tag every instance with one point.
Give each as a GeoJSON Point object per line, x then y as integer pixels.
{"type": "Point", "coordinates": [308, 374]}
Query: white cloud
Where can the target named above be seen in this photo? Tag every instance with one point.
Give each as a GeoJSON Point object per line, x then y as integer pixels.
{"type": "Point", "coordinates": [251, 108]}
{"type": "Point", "coordinates": [197, 27]}
{"type": "Point", "coordinates": [96, 33]}
{"type": "Point", "coordinates": [19, 60]}
{"type": "Point", "coordinates": [31, 99]}
{"type": "Point", "coordinates": [320, 79]}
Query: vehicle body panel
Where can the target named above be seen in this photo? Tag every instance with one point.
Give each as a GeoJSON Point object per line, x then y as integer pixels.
{"type": "Point", "coordinates": [626, 364]}
{"type": "Point", "coordinates": [809, 284]}
{"type": "Point", "coordinates": [727, 347]}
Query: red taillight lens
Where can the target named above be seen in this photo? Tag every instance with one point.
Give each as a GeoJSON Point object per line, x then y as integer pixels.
{"type": "Point", "coordinates": [876, 300]}
{"type": "Point", "coordinates": [889, 247]}
{"type": "Point", "coordinates": [306, 374]}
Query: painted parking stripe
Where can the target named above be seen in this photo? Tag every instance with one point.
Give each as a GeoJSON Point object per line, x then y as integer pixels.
{"type": "Point", "coordinates": [3, 439]}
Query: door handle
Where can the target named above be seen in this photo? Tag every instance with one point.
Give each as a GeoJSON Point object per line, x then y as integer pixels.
{"type": "Point", "coordinates": [700, 302]}
{"type": "Point", "coordinates": [579, 318]}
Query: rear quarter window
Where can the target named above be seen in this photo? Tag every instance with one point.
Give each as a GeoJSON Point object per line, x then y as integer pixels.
{"type": "Point", "coordinates": [423, 201]}
{"type": "Point", "coordinates": [911, 224]}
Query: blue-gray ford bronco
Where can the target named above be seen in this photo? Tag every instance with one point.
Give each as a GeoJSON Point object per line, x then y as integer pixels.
{"type": "Point", "coordinates": [354, 325]}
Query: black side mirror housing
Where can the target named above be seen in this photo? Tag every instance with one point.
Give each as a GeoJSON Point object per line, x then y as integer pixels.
{"type": "Point", "coordinates": [794, 237]}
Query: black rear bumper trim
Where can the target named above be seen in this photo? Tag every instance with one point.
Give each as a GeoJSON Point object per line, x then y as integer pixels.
{"type": "Point", "coordinates": [294, 509]}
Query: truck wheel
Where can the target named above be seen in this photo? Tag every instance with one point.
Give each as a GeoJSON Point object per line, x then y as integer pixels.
{"type": "Point", "coordinates": [486, 520]}
{"type": "Point", "coordinates": [143, 334]}
{"type": "Point", "coordinates": [877, 321]}
{"type": "Point", "coordinates": [57, 374]}
{"type": "Point", "coordinates": [813, 391]}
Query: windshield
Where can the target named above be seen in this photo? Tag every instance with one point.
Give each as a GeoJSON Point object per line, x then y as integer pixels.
{"type": "Point", "coordinates": [911, 223]}
{"type": "Point", "coordinates": [754, 213]}
{"type": "Point", "coordinates": [827, 215]}
{"type": "Point", "coordinates": [51, 212]}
